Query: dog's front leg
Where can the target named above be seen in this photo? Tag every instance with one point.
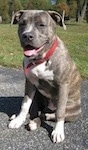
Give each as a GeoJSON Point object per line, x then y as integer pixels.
{"type": "Point", "coordinates": [16, 122]}
{"type": "Point", "coordinates": [58, 132]}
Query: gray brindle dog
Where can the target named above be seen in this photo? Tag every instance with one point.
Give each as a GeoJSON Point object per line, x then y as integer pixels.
{"type": "Point", "coordinates": [49, 70]}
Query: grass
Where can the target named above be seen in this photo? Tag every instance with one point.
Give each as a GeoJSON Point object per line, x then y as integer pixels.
{"type": "Point", "coordinates": [75, 38]}
{"type": "Point", "coordinates": [10, 49]}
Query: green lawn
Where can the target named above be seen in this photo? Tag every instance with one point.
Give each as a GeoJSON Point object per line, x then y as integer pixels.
{"type": "Point", "coordinates": [10, 50]}
{"type": "Point", "coordinates": [75, 38]}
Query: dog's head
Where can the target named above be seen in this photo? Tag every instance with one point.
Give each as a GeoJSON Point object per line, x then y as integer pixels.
{"type": "Point", "coordinates": [36, 29]}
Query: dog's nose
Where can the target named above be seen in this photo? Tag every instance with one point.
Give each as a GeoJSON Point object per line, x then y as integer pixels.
{"type": "Point", "coordinates": [28, 36]}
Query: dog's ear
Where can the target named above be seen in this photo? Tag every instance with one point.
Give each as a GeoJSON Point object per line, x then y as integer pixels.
{"type": "Point", "coordinates": [57, 18]}
{"type": "Point", "coordinates": [16, 17]}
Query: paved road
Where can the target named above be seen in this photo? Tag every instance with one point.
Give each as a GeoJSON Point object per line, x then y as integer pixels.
{"type": "Point", "coordinates": [11, 94]}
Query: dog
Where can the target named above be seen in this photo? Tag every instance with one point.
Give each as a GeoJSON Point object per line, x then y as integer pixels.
{"type": "Point", "coordinates": [49, 70]}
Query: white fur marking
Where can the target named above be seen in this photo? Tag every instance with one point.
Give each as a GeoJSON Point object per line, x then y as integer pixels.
{"type": "Point", "coordinates": [41, 72]}
{"type": "Point", "coordinates": [58, 132]}
{"type": "Point", "coordinates": [50, 116]}
{"type": "Point", "coordinates": [16, 122]}
{"type": "Point", "coordinates": [28, 29]}
{"type": "Point", "coordinates": [13, 117]}
{"type": "Point", "coordinates": [32, 125]}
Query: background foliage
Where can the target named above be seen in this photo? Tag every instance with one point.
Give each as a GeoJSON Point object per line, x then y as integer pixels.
{"type": "Point", "coordinates": [73, 8]}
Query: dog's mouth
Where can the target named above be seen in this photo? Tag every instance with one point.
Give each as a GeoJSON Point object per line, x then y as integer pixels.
{"type": "Point", "coordinates": [32, 51]}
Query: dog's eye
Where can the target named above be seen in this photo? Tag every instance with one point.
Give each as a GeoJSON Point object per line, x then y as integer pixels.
{"type": "Point", "coordinates": [42, 25]}
{"type": "Point", "coordinates": [22, 23]}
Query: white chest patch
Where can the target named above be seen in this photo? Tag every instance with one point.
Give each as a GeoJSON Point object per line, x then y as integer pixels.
{"type": "Point", "coordinates": [40, 71]}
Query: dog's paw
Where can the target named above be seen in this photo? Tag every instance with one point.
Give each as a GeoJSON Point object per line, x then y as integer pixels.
{"type": "Point", "coordinates": [58, 133]}
{"type": "Point", "coordinates": [16, 122]}
{"type": "Point", "coordinates": [34, 124]}
{"type": "Point", "coordinates": [57, 137]}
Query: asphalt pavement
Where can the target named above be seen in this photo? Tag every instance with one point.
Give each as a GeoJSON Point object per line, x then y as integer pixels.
{"type": "Point", "coordinates": [11, 95]}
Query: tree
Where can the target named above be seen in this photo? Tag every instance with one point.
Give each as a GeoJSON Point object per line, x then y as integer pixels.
{"type": "Point", "coordinates": [24, 3]}
{"type": "Point", "coordinates": [62, 6]}
{"type": "Point", "coordinates": [78, 9]}
{"type": "Point", "coordinates": [81, 10]}
{"type": "Point", "coordinates": [4, 10]}
{"type": "Point", "coordinates": [72, 5]}
{"type": "Point", "coordinates": [39, 4]}
{"type": "Point", "coordinates": [14, 5]}
{"type": "Point", "coordinates": [87, 13]}
{"type": "Point", "coordinates": [84, 8]}
{"type": "Point", "coordinates": [78, 12]}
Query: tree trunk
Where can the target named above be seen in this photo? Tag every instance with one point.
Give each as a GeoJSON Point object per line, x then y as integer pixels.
{"type": "Point", "coordinates": [87, 13]}
{"type": "Point", "coordinates": [78, 12]}
{"type": "Point", "coordinates": [83, 11]}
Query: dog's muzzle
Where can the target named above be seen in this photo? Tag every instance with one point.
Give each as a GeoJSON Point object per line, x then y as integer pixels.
{"type": "Point", "coordinates": [34, 52]}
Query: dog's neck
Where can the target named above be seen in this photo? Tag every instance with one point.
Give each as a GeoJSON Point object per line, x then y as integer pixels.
{"type": "Point", "coordinates": [45, 57]}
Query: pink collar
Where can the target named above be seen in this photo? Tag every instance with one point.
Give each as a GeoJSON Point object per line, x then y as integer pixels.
{"type": "Point", "coordinates": [46, 57]}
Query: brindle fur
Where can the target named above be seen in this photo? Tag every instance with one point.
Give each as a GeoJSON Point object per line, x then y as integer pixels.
{"type": "Point", "coordinates": [63, 88]}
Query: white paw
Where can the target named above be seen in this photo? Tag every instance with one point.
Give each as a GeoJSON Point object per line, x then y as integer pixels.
{"type": "Point", "coordinates": [32, 125]}
{"type": "Point", "coordinates": [58, 132]}
{"type": "Point", "coordinates": [50, 116]}
{"type": "Point", "coordinates": [16, 122]}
